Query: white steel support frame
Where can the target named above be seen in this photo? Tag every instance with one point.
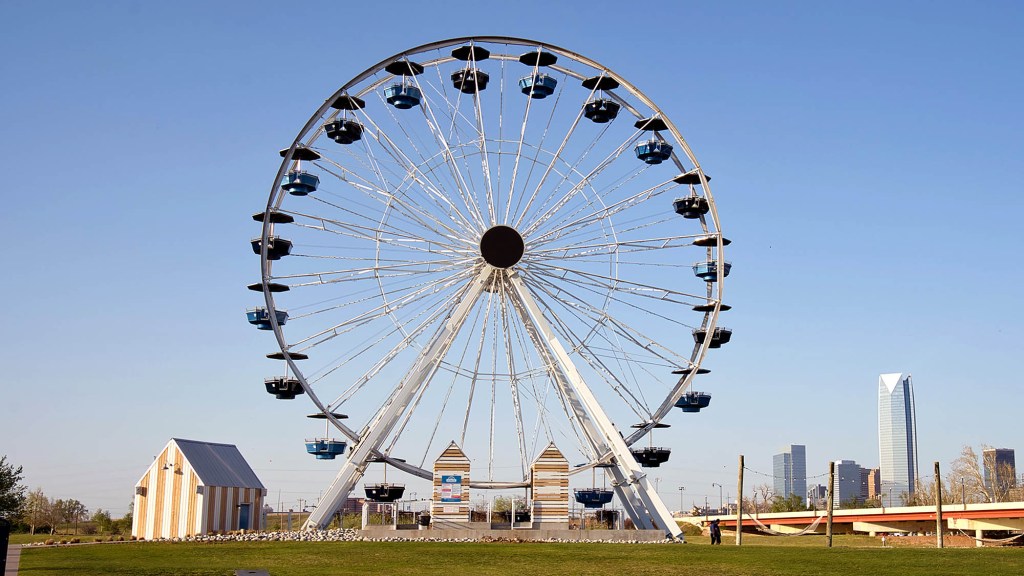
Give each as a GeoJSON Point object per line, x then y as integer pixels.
{"type": "Point", "coordinates": [629, 477]}
{"type": "Point", "coordinates": [382, 424]}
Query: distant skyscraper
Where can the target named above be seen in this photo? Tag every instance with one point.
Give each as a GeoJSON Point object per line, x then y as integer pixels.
{"type": "Point", "coordinates": [874, 480]}
{"type": "Point", "coordinates": [847, 485]}
{"type": "Point", "coordinates": [790, 471]}
{"type": "Point", "coordinates": [1000, 471]}
{"type": "Point", "coordinates": [897, 437]}
{"type": "Point", "coordinates": [816, 496]}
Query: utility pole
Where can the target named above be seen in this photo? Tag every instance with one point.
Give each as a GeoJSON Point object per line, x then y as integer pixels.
{"type": "Point", "coordinates": [830, 499]}
{"type": "Point", "coordinates": [938, 507]}
{"type": "Point", "coordinates": [739, 505]}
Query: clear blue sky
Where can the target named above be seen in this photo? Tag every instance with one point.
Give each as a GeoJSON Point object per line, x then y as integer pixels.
{"type": "Point", "coordinates": [867, 162]}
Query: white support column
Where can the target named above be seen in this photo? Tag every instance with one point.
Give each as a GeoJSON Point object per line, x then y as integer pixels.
{"type": "Point", "coordinates": [382, 424]}
{"type": "Point", "coordinates": [632, 505]}
{"type": "Point", "coordinates": [633, 477]}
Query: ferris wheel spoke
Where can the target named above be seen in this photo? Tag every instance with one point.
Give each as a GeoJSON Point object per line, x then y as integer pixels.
{"type": "Point", "coordinates": [591, 248]}
{"type": "Point", "coordinates": [601, 317]}
{"type": "Point", "coordinates": [416, 297]}
{"type": "Point", "coordinates": [519, 149]}
{"type": "Point", "coordinates": [571, 194]}
{"type": "Point", "coordinates": [449, 156]}
{"type": "Point", "coordinates": [514, 389]}
{"type": "Point", "coordinates": [555, 157]}
{"type": "Point", "coordinates": [601, 214]}
{"type": "Point", "coordinates": [436, 314]}
{"type": "Point", "coordinates": [397, 236]}
{"type": "Point", "coordinates": [384, 198]}
{"type": "Point", "coordinates": [620, 285]}
{"type": "Point", "coordinates": [431, 189]}
{"type": "Point", "coordinates": [521, 209]}
{"type": "Point", "coordinates": [440, 412]}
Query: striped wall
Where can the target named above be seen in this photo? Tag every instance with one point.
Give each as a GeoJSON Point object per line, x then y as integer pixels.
{"type": "Point", "coordinates": [550, 480]}
{"type": "Point", "coordinates": [452, 462]}
{"type": "Point", "coordinates": [171, 501]}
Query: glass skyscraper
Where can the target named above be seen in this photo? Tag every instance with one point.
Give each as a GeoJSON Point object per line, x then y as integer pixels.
{"type": "Point", "coordinates": [897, 437]}
{"type": "Point", "coordinates": [790, 471]}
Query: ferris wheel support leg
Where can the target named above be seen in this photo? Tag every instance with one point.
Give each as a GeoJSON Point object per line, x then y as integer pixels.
{"type": "Point", "coordinates": [377, 431]}
{"type": "Point", "coordinates": [634, 508]}
{"type": "Point", "coordinates": [624, 461]}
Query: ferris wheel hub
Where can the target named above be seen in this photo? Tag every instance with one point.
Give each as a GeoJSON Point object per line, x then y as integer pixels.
{"type": "Point", "coordinates": [502, 246]}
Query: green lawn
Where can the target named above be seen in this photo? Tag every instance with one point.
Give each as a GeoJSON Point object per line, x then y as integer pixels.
{"type": "Point", "coordinates": [434, 559]}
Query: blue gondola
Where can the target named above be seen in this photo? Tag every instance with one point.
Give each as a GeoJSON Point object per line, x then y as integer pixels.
{"type": "Point", "coordinates": [402, 96]}
{"type": "Point", "coordinates": [300, 182]}
{"type": "Point", "coordinates": [276, 247]}
{"type": "Point", "coordinates": [538, 85]}
{"type": "Point", "coordinates": [651, 457]}
{"type": "Point", "coordinates": [325, 448]}
{"type": "Point", "coordinates": [691, 207]}
{"type": "Point", "coordinates": [593, 497]}
{"type": "Point", "coordinates": [653, 151]}
{"type": "Point", "coordinates": [601, 110]}
{"type": "Point", "coordinates": [693, 401]}
{"type": "Point", "coordinates": [343, 130]}
{"type": "Point", "coordinates": [260, 317]}
{"type": "Point", "coordinates": [718, 337]}
{"type": "Point", "coordinates": [283, 388]}
{"type": "Point", "coordinates": [384, 492]}
{"type": "Point", "coordinates": [470, 81]}
{"type": "Point", "coordinates": [708, 271]}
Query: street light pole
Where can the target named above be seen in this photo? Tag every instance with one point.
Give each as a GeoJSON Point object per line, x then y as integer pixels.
{"type": "Point", "coordinates": [720, 501]}
{"type": "Point", "coordinates": [681, 500]}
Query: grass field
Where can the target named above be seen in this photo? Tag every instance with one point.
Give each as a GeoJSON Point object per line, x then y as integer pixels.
{"type": "Point", "coordinates": [758, 556]}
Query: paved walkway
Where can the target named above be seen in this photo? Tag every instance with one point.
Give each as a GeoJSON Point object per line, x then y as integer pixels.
{"type": "Point", "coordinates": [13, 555]}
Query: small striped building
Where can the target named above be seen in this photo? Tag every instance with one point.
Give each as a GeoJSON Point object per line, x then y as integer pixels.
{"type": "Point", "coordinates": [550, 479]}
{"type": "Point", "coordinates": [195, 488]}
{"type": "Point", "coordinates": [451, 486]}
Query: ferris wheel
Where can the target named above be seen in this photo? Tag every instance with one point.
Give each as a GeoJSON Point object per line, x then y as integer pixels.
{"type": "Point", "coordinates": [499, 243]}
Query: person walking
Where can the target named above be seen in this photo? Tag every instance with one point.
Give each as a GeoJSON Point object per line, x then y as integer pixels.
{"type": "Point", "coordinates": [716, 532]}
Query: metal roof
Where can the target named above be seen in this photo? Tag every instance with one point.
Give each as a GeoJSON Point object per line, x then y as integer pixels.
{"type": "Point", "coordinates": [218, 464]}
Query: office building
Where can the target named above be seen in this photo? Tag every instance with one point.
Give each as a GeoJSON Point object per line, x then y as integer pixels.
{"type": "Point", "coordinates": [816, 496]}
{"type": "Point", "coordinates": [897, 437]}
{"type": "Point", "coordinates": [873, 483]}
{"type": "Point", "coordinates": [847, 486]}
{"type": "Point", "coordinates": [1000, 472]}
{"type": "Point", "coordinates": [790, 471]}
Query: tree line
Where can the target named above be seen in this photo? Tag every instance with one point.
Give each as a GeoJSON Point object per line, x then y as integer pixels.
{"type": "Point", "coordinates": [33, 511]}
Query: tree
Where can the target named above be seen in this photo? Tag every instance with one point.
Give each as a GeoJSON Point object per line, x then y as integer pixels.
{"type": "Point", "coordinates": [12, 492]}
{"type": "Point", "coordinates": [102, 520]}
{"type": "Point", "coordinates": [968, 476]}
{"type": "Point", "coordinates": [37, 510]}
{"type": "Point", "coordinates": [791, 503]}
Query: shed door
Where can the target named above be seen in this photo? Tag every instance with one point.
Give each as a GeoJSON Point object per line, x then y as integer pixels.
{"type": "Point", "coordinates": [243, 516]}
